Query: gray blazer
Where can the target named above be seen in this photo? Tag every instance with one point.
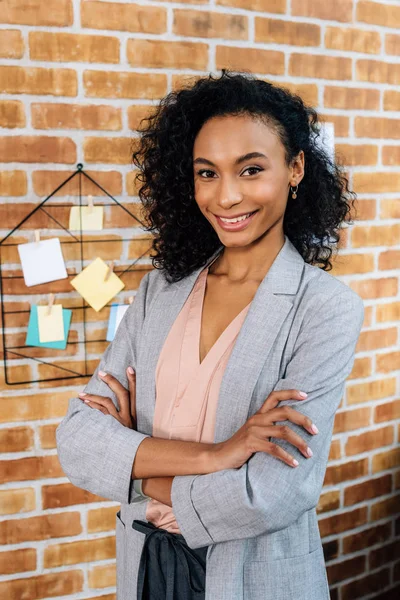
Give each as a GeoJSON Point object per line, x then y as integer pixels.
{"type": "Point", "coordinates": [259, 520]}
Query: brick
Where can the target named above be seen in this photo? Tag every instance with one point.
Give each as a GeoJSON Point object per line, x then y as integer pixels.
{"type": "Point", "coordinates": [392, 44]}
{"type": "Point", "coordinates": [35, 406]}
{"type": "Point", "coordinates": [44, 182]}
{"type": "Point", "coordinates": [331, 551]}
{"type": "Point", "coordinates": [17, 501]}
{"type": "Point", "coordinates": [378, 13]}
{"type": "Point", "coordinates": [339, 11]}
{"type": "Point", "coordinates": [351, 98]}
{"type": "Point", "coordinates": [43, 586]}
{"type": "Point", "coordinates": [33, 467]}
{"type": "Point", "coordinates": [347, 471]}
{"type": "Point", "coordinates": [13, 183]}
{"type": "Point", "coordinates": [108, 150]}
{"type": "Point", "coordinates": [124, 17]}
{"type": "Point", "coordinates": [37, 13]}
{"type": "Point", "coordinates": [384, 554]}
{"type": "Point", "coordinates": [377, 338]}
{"type": "Point", "coordinates": [271, 6]}
{"type": "Point", "coordinates": [352, 40]}
{"type": "Point", "coordinates": [341, 124]}
{"type": "Point", "coordinates": [108, 84]}
{"type": "Point", "coordinates": [385, 508]}
{"type": "Point", "coordinates": [346, 569]}
{"type": "Point", "coordinates": [390, 155]}
{"type": "Point", "coordinates": [17, 561]}
{"type": "Point", "coordinates": [163, 54]}
{"type": "Point", "coordinates": [101, 519]}
{"type": "Point", "coordinates": [348, 520]}
{"type": "Point", "coordinates": [210, 24]}
{"type": "Point", "coordinates": [373, 390]}
{"type": "Point", "coordinates": [368, 537]}
{"type": "Point", "coordinates": [391, 100]}
{"type": "Point", "coordinates": [349, 420]}
{"type": "Point", "coordinates": [369, 440]}
{"type": "Point", "coordinates": [390, 208]}
{"type": "Point", "coordinates": [72, 553]}
{"type": "Point", "coordinates": [349, 264]}
{"type": "Point", "coordinates": [381, 235]}
{"type": "Point", "coordinates": [377, 71]}
{"type": "Point", "coordinates": [387, 362]}
{"type": "Point", "coordinates": [136, 113]}
{"type": "Point", "coordinates": [386, 460]}
{"type": "Point", "coordinates": [102, 576]}
{"type": "Point", "coordinates": [66, 494]}
{"type": "Point", "coordinates": [74, 116]}
{"type": "Point", "coordinates": [38, 80]}
{"type": "Point", "coordinates": [388, 411]}
{"type": "Point", "coordinates": [106, 597]}
{"type": "Point", "coordinates": [388, 312]}
{"type": "Point", "coordinates": [43, 527]}
{"type": "Point", "coordinates": [329, 501]}
{"type": "Point", "coordinates": [11, 43]}
{"type": "Point", "coordinates": [335, 451]}
{"type": "Point", "coordinates": [364, 586]}
{"type": "Point", "coordinates": [357, 154]}
{"type": "Point", "coordinates": [254, 60]}
{"type": "Point", "coordinates": [318, 65]}
{"type": "Point", "coordinates": [48, 435]}
{"type": "Point", "coordinates": [16, 376]}
{"type": "Point", "coordinates": [66, 47]}
{"type": "Point", "coordinates": [376, 127]}
{"type": "Point", "coordinates": [376, 288]}
{"type": "Point", "coordinates": [286, 32]}
{"type": "Point", "coordinates": [16, 439]}
{"type": "Point", "coordinates": [379, 486]}
{"type": "Point", "coordinates": [24, 148]}
{"type": "Point", "coordinates": [12, 114]}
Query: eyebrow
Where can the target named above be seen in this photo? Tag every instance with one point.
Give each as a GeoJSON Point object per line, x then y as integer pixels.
{"type": "Point", "coordinates": [239, 160]}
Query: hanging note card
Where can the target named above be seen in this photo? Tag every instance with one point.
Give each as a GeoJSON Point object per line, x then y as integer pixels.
{"type": "Point", "coordinates": [51, 326]}
{"type": "Point", "coordinates": [86, 218]}
{"type": "Point", "coordinates": [42, 261]}
{"type": "Point", "coordinates": [32, 336]}
{"type": "Point", "coordinates": [91, 284]}
{"type": "Point", "coordinates": [117, 311]}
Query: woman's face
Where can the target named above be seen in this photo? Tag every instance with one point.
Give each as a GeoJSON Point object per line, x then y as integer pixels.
{"type": "Point", "coordinates": [225, 186]}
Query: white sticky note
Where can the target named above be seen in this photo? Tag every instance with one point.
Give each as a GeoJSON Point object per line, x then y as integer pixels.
{"type": "Point", "coordinates": [116, 313]}
{"type": "Point", "coordinates": [51, 327]}
{"type": "Point", "coordinates": [42, 261]}
{"type": "Point", "coordinates": [91, 220]}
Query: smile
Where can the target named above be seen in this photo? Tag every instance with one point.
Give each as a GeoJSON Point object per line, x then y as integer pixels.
{"type": "Point", "coordinates": [235, 224]}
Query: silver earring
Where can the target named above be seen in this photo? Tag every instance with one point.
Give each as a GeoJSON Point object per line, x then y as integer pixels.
{"type": "Point", "coordinates": [294, 192]}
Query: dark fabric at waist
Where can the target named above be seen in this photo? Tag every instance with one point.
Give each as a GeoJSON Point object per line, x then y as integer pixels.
{"type": "Point", "coordinates": [168, 568]}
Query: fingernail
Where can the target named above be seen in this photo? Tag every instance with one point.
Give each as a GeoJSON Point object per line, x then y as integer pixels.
{"type": "Point", "coordinates": [102, 373]}
{"type": "Point", "coordinates": [303, 394]}
{"type": "Point", "coordinates": [309, 452]}
{"type": "Point", "coordinates": [295, 462]}
{"type": "Point", "coordinates": [87, 401]}
{"type": "Point", "coordinates": [82, 394]}
{"type": "Point", "coordinates": [130, 370]}
{"type": "Point", "coordinates": [314, 428]}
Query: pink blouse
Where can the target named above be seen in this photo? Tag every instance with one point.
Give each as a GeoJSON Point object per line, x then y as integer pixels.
{"type": "Point", "coordinates": [187, 390]}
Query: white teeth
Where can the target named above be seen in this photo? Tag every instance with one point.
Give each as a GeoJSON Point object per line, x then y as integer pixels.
{"type": "Point", "coordinates": [235, 220]}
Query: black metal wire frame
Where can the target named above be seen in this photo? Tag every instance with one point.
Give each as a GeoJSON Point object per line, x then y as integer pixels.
{"type": "Point", "coordinates": [69, 373]}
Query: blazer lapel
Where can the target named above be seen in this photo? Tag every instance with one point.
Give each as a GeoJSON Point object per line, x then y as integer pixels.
{"type": "Point", "coordinates": [268, 310]}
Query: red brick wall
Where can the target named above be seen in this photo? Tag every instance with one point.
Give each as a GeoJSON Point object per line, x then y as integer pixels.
{"type": "Point", "coordinates": [75, 78]}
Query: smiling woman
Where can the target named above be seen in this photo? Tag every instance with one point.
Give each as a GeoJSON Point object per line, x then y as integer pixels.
{"type": "Point", "coordinates": [240, 343]}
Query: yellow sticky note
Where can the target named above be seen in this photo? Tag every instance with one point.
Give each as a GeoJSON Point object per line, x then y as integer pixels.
{"type": "Point", "coordinates": [91, 285]}
{"type": "Point", "coordinates": [51, 327]}
{"type": "Point", "coordinates": [91, 219]}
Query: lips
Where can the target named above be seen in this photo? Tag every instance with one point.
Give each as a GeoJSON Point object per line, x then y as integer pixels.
{"type": "Point", "coordinates": [239, 225]}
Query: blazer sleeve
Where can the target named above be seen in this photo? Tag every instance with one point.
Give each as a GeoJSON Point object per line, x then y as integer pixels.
{"type": "Point", "coordinates": [265, 494]}
{"type": "Point", "coordinates": [97, 452]}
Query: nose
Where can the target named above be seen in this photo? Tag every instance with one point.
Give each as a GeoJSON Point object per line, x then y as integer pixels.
{"type": "Point", "coordinates": [228, 193]}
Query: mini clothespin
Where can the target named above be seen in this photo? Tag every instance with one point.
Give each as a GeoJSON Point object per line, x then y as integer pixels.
{"type": "Point", "coordinates": [109, 271]}
{"type": "Point", "coordinates": [130, 299]}
{"type": "Point", "coordinates": [37, 235]}
{"type": "Point", "coordinates": [90, 203]}
{"type": "Point", "coordinates": [50, 304]}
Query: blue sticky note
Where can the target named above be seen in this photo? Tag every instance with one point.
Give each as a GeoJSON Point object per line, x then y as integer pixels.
{"type": "Point", "coordinates": [32, 336]}
{"type": "Point", "coordinates": [112, 323]}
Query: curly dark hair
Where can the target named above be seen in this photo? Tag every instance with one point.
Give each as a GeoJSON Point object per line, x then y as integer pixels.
{"type": "Point", "coordinates": [163, 153]}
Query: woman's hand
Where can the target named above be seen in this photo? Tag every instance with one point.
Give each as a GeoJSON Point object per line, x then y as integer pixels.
{"type": "Point", "coordinates": [252, 436]}
{"type": "Point", "coordinates": [126, 411]}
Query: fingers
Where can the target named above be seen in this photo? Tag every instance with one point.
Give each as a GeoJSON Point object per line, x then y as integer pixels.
{"type": "Point", "coordinates": [275, 397]}
{"type": "Point", "coordinates": [94, 401]}
{"type": "Point", "coordinates": [121, 393]}
{"type": "Point", "coordinates": [132, 391]}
